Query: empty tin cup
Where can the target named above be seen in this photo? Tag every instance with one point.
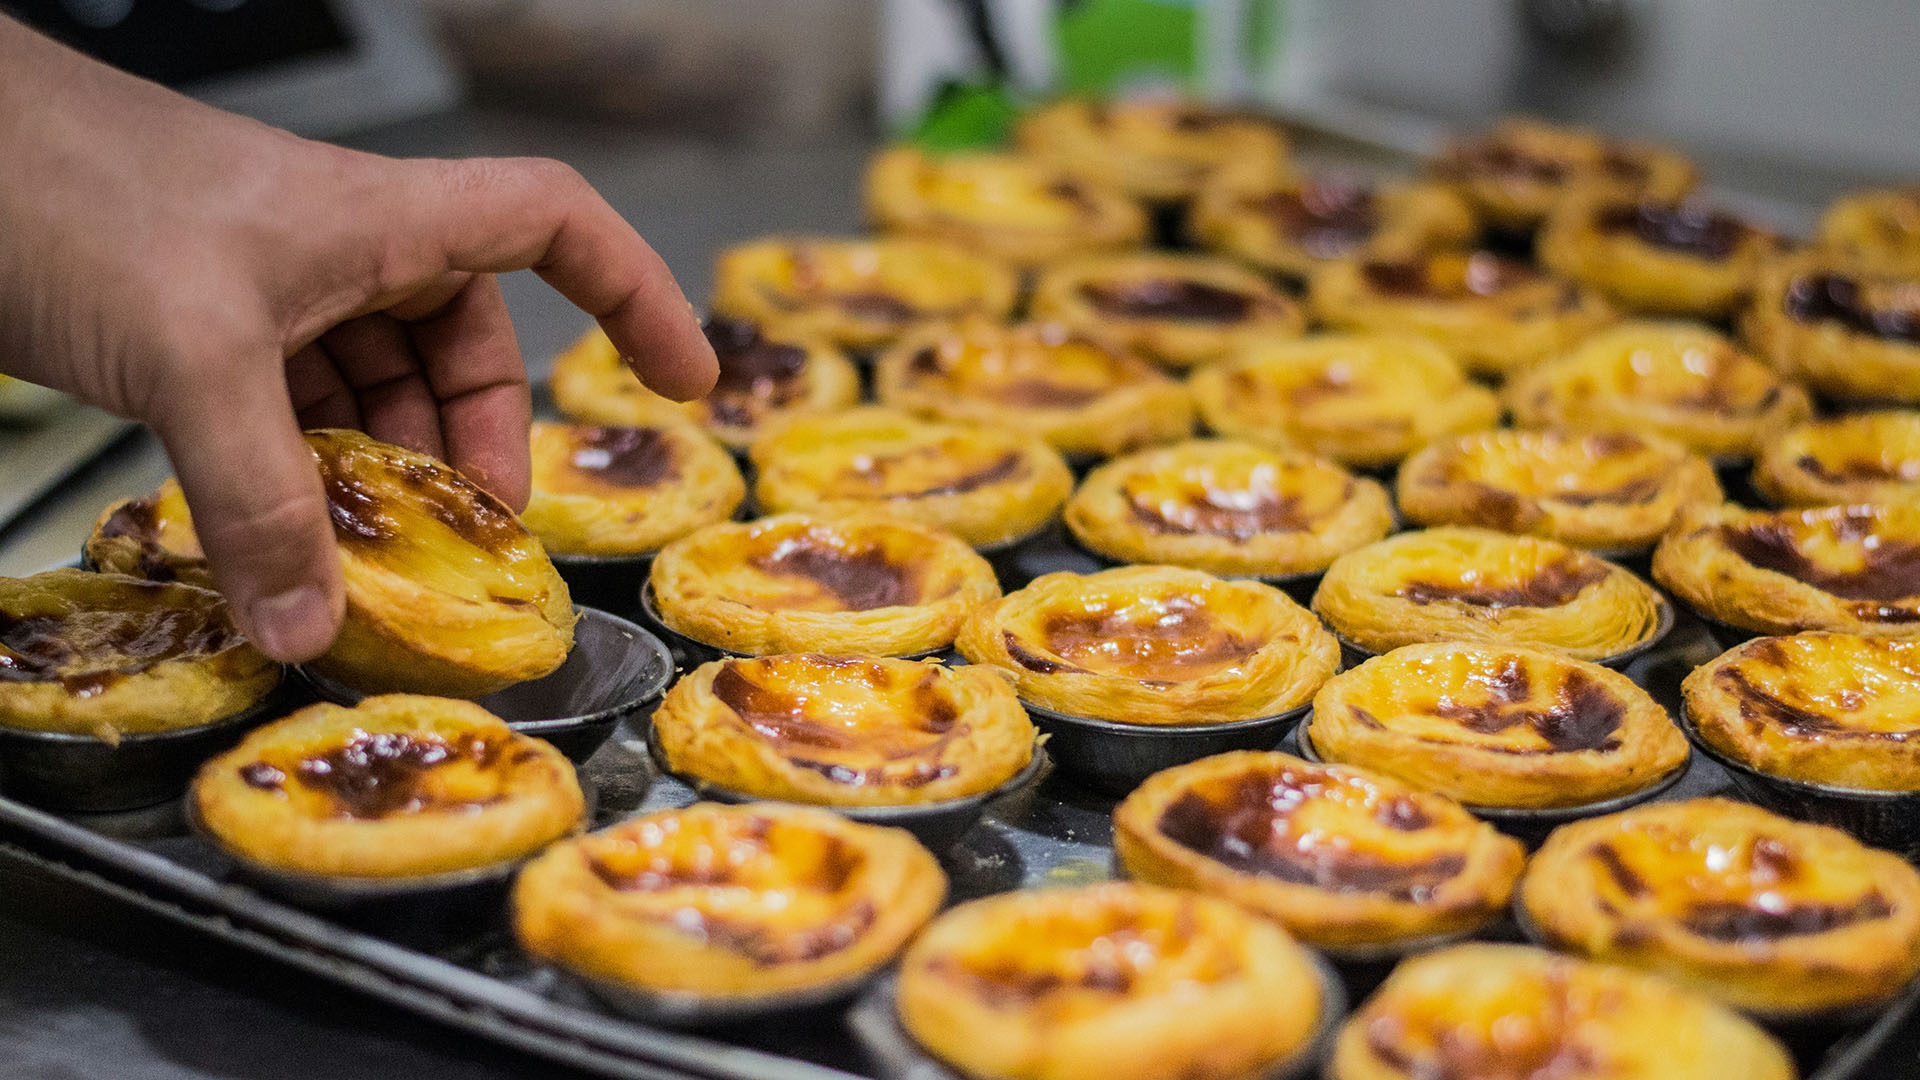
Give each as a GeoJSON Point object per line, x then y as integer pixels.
{"type": "Point", "coordinates": [608, 582]}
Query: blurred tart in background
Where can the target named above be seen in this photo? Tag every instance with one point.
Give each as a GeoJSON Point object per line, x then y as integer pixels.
{"type": "Point", "coordinates": [1874, 232]}
{"type": "Point", "coordinates": [626, 490]}
{"type": "Point", "coordinates": [1011, 207]}
{"type": "Point", "coordinates": [1178, 311]}
{"type": "Point", "coordinates": [1657, 257]}
{"type": "Point", "coordinates": [1871, 457]}
{"type": "Point", "coordinates": [1291, 225]}
{"type": "Point", "coordinates": [1157, 150]}
{"type": "Point", "coordinates": [1849, 334]}
{"type": "Point", "coordinates": [1515, 174]}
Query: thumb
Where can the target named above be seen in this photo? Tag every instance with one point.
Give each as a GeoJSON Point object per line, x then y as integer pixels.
{"type": "Point", "coordinates": [257, 503]}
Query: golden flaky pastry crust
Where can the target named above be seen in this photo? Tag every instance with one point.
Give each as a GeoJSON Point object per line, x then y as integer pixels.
{"type": "Point", "coordinates": [447, 592]}
{"type": "Point", "coordinates": [110, 655]}
{"type": "Point", "coordinates": [1871, 457]}
{"type": "Point", "coordinates": [401, 785]}
{"type": "Point", "coordinates": [1657, 257]}
{"type": "Point", "coordinates": [1497, 725]}
{"type": "Point", "coordinates": [1229, 508]}
{"type": "Point", "coordinates": [1011, 207]}
{"type": "Point", "coordinates": [150, 537]}
{"type": "Point", "coordinates": [626, 490]}
{"type": "Point", "coordinates": [1604, 492]}
{"type": "Point", "coordinates": [1826, 708]}
{"type": "Point", "coordinates": [1364, 400]}
{"type": "Point", "coordinates": [1291, 225]}
{"type": "Point", "coordinates": [1496, 314]}
{"type": "Point", "coordinates": [1152, 149]}
{"type": "Point", "coordinates": [1679, 380]}
{"type": "Point", "coordinates": [1510, 1010]}
{"type": "Point", "coordinates": [766, 378]}
{"type": "Point", "coordinates": [1515, 174]}
{"type": "Point", "coordinates": [1460, 584]}
{"type": "Point", "coordinates": [1340, 856]}
{"type": "Point", "coordinates": [727, 902]}
{"type": "Point", "coordinates": [1085, 394]}
{"type": "Point", "coordinates": [858, 293]}
{"type": "Point", "coordinates": [1108, 982]}
{"type": "Point", "coordinates": [860, 585]}
{"type": "Point", "coordinates": [1179, 311]}
{"type": "Point", "coordinates": [1767, 914]}
{"type": "Point", "coordinates": [1850, 335]}
{"type": "Point", "coordinates": [1854, 569]}
{"type": "Point", "coordinates": [1153, 645]}
{"type": "Point", "coordinates": [844, 731]}
{"type": "Point", "coordinates": [985, 484]}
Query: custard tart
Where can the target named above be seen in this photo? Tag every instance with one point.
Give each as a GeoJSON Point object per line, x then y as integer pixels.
{"type": "Point", "coordinates": [1020, 209]}
{"type": "Point", "coordinates": [1679, 380]}
{"type": "Point", "coordinates": [110, 655]}
{"type": "Point", "coordinates": [1086, 395]}
{"type": "Point", "coordinates": [1876, 232]}
{"type": "Point", "coordinates": [1496, 1012]}
{"type": "Point", "coordinates": [400, 785]}
{"type": "Point", "coordinates": [150, 537]}
{"type": "Point", "coordinates": [447, 592]}
{"type": "Point", "coordinates": [844, 731]}
{"type": "Point", "coordinates": [1364, 400]}
{"type": "Point", "coordinates": [857, 585]}
{"type": "Point", "coordinates": [1289, 226]}
{"type": "Point", "coordinates": [858, 293]}
{"type": "Point", "coordinates": [1236, 509]}
{"type": "Point", "coordinates": [1109, 982]}
{"type": "Point", "coordinates": [1151, 149]}
{"type": "Point", "coordinates": [1153, 645]}
{"type": "Point", "coordinates": [1179, 311]}
{"type": "Point", "coordinates": [1871, 457]}
{"type": "Point", "coordinates": [1517, 173]}
{"type": "Point", "coordinates": [1460, 584]}
{"type": "Point", "coordinates": [1497, 315]}
{"type": "Point", "coordinates": [1497, 725]}
{"type": "Point", "coordinates": [1604, 492]}
{"type": "Point", "coordinates": [766, 378]}
{"type": "Point", "coordinates": [1854, 569]}
{"type": "Point", "coordinates": [1344, 858]}
{"type": "Point", "coordinates": [626, 490]}
{"type": "Point", "coordinates": [1825, 708]}
{"type": "Point", "coordinates": [987, 485]}
{"type": "Point", "coordinates": [1767, 914]}
{"type": "Point", "coordinates": [1850, 335]}
{"type": "Point", "coordinates": [1656, 256]}
{"type": "Point", "coordinates": [727, 902]}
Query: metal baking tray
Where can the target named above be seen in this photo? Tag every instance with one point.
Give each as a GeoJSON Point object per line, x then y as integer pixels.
{"type": "Point", "coordinates": [466, 971]}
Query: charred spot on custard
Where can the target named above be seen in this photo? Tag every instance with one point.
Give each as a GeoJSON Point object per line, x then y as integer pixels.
{"type": "Point", "coordinates": [1176, 299]}
{"type": "Point", "coordinates": [755, 373]}
{"type": "Point", "coordinates": [1888, 570]}
{"type": "Point", "coordinates": [1326, 219]}
{"type": "Point", "coordinates": [1556, 583]}
{"type": "Point", "coordinates": [872, 474]}
{"type": "Point", "coordinates": [1205, 509]}
{"type": "Point", "coordinates": [1581, 714]}
{"type": "Point", "coordinates": [1688, 230]}
{"type": "Point", "coordinates": [622, 457]}
{"type": "Point", "coordinates": [908, 740]}
{"type": "Point", "coordinates": [1177, 639]}
{"type": "Point", "coordinates": [1834, 298]}
{"type": "Point", "coordinates": [376, 775]}
{"type": "Point", "coordinates": [859, 578]}
{"type": "Point", "coordinates": [88, 651]}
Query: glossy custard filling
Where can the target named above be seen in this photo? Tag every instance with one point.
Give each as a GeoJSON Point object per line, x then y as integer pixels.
{"type": "Point", "coordinates": [1884, 309]}
{"type": "Point", "coordinates": [1539, 1025]}
{"type": "Point", "coordinates": [853, 721]}
{"type": "Point", "coordinates": [773, 893]}
{"type": "Point", "coordinates": [429, 524]}
{"type": "Point", "coordinates": [908, 468]}
{"type": "Point", "coordinates": [1827, 687]}
{"type": "Point", "coordinates": [1327, 220]}
{"type": "Point", "coordinates": [614, 461]}
{"type": "Point", "coordinates": [161, 520]}
{"type": "Point", "coordinates": [1005, 192]}
{"type": "Point", "coordinates": [1505, 475]}
{"type": "Point", "coordinates": [1155, 639]}
{"type": "Point", "coordinates": [1685, 230]}
{"type": "Point", "coordinates": [1503, 704]}
{"type": "Point", "coordinates": [1708, 376]}
{"type": "Point", "coordinates": [376, 775]}
{"type": "Point", "coordinates": [1074, 960]}
{"type": "Point", "coordinates": [1332, 831]}
{"type": "Point", "coordinates": [1545, 581]}
{"type": "Point", "coordinates": [1046, 369]}
{"type": "Point", "coordinates": [87, 650]}
{"type": "Point", "coordinates": [757, 376]}
{"type": "Point", "coordinates": [1479, 275]}
{"type": "Point", "coordinates": [1853, 552]}
{"type": "Point", "coordinates": [1171, 299]}
{"type": "Point", "coordinates": [1729, 885]}
{"type": "Point", "coordinates": [879, 283]}
{"type": "Point", "coordinates": [1871, 448]}
{"type": "Point", "coordinates": [1238, 500]}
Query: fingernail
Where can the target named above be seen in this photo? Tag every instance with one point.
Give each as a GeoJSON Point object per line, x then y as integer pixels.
{"type": "Point", "coordinates": [292, 626]}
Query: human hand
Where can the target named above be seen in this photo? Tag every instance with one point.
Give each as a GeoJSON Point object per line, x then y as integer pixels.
{"type": "Point", "coordinates": [230, 284]}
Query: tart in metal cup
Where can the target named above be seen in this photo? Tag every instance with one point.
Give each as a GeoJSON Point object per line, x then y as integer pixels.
{"type": "Point", "coordinates": [937, 825]}
{"type": "Point", "coordinates": [1113, 758]}
{"type": "Point", "coordinates": [691, 652]}
{"type": "Point", "coordinates": [1882, 819]}
{"type": "Point", "coordinates": [875, 1023]}
{"type": "Point", "coordinates": [616, 671]}
{"type": "Point", "coordinates": [1352, 655]}
{"type": "Point", "coordinates": [608, 582]}
{"type": "Point", "coordinates": [86, 774]}
{"type": "Point", "coordinates": [1530, 825]}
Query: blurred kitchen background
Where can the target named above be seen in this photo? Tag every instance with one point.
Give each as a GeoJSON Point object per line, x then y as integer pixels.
{"type": "Point", "coordinates": [712, 121]}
